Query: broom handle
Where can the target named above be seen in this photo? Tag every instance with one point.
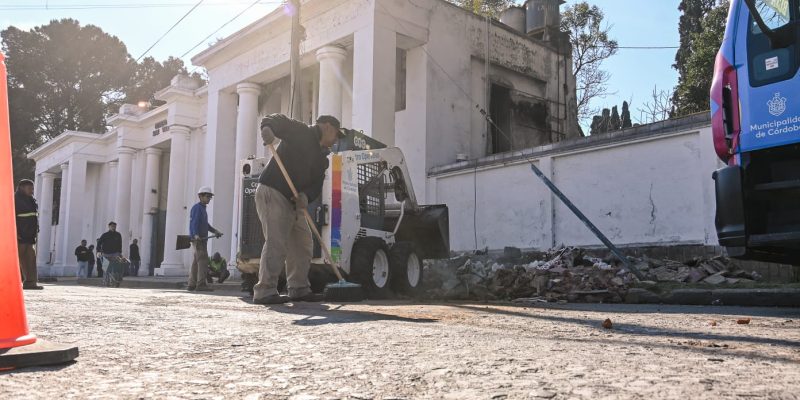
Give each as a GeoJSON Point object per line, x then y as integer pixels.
{"type": "Point", "coordinates": [310, 221]}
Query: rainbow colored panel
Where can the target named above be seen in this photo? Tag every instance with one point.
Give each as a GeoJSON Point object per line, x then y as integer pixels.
{"type": "Point", "coordinates": [336, 208]}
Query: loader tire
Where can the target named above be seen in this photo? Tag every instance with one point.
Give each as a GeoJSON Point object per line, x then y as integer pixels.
{"type": "Point", "coordinates": [406, 268]}
{"type": "Point", "coordinates": [370, 267]}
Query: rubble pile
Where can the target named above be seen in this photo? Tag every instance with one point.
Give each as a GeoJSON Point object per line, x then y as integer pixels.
{"type": "Point", "coordinates": [564, 274]}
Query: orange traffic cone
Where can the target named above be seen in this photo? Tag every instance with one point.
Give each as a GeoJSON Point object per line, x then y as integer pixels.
{"type": "Point", "coordinates": [18, 348]}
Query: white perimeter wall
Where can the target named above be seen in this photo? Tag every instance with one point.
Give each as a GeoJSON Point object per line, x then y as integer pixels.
{"type": "Point", "coordinates": [654, 190]}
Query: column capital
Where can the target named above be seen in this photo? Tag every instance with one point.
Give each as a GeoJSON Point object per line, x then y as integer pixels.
{"type": "Point", "coordinates": [153, 151]}
{"type": "Point", "coordinates": [331, 52]}
{"type": "Point", "coordinates": [47, 175]}
{"type": "Point", "coordinates": [248, 88]}
{"type": "Point", "coordinates": [113, 164]}
{"type": "Point", "coordinates": [64, 166]}
{"type": "Point", "coordinates": [126, 150]}
{"type": "Point", "coordinates": [180, 130]}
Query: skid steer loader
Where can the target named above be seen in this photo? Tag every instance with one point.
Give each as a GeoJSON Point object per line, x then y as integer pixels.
{"type": "Point", "coordinates": [368, 215]}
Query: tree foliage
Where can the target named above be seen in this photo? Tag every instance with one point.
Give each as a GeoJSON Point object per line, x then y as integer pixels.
{"type": "Point", "coordinates": [484, 7]}
{"type": "Point", "coordinates": [591, 45]}
{"type": "Point", "coordinates": [64, 76]}
{"type": "Point", "coordinates": [611, 120]}
{"type": "Point", "coordinates": [694, 60]}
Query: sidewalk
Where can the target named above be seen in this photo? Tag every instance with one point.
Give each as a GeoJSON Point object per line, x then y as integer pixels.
{"type": "Point", "coordinates": [155, 282]}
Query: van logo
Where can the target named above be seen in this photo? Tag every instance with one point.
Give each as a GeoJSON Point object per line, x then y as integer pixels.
{"type": "Point", "coordinates": [777, 105]}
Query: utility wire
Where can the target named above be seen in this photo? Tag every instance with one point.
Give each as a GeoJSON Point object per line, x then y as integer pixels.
{"type": "Point", "coordinates": [170, 29]}
{"type": "Point", "coordinates": [29, 7]}
{"type": "Point", "coordinates": [220, 28]}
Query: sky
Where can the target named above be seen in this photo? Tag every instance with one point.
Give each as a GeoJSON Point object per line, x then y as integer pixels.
{"type": "Point", "coordinates": [139, 23]}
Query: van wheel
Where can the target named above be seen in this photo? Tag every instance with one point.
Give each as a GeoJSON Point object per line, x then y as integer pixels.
{"type": "Point", "coordinates": [406, 268]}
{"type": "Point", "coordinates": [370, 266]}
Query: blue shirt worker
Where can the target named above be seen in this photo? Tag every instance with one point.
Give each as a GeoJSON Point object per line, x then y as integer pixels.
{"type": "Point", "coordinates": [198, 230]}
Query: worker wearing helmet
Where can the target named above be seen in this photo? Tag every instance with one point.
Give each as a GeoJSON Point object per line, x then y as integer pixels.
{"type": "Point", "coordinates": [288, 245]}
{"type": "Point", "coordinates": [198, 230]}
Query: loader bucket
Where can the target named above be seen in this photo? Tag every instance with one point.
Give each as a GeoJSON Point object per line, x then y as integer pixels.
{"type": "Point", "coordinates": [429, 228]}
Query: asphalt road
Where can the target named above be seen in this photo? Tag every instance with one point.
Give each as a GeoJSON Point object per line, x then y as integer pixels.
{"type": "Point", "coordinates": [143, 343]}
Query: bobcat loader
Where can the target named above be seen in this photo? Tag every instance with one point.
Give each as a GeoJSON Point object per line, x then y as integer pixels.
{"type": "Point", "coordinates": [367, 214]}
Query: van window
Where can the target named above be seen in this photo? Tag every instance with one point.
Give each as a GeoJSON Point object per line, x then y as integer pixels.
{"type": "Point", "coordinates": [775, 13]}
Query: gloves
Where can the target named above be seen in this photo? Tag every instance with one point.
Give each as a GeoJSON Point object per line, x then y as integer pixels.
{"type": "Point", "coordinates": [301, 202]}
{"type": "Point", "coordinates": [267, 135]}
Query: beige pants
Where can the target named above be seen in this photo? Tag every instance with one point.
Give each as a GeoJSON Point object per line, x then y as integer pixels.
{"type": "Point", "coordinates": [27, 264]}
{"type": "Point", "coordinates": [197, 275]}
{"type": "Point", "coordinates": [287, 245]}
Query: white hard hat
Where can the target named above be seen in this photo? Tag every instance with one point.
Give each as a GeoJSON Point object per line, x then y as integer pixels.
{"type": "Point", "coordinates": [205, 189]}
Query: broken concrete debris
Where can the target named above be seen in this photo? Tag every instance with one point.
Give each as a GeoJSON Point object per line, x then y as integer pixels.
{"type": "Point", "coordinates": [564, 274]}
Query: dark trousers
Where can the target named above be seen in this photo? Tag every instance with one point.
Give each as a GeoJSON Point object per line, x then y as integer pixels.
{"type": "Point", "coordinates": [27, 264]}
{"type": "Point", "coordinates": [90, 269]}
{"type": "Point", "coordinates": [99, 267]}
{"type": "Point", "coordinates": [135, 267]}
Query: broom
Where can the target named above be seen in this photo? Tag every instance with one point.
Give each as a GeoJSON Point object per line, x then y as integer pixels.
{"type": "Point", "coordinates": [341, 291]}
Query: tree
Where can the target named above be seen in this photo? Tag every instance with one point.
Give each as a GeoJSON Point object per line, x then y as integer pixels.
{"type": "Point", "coordinates": [695, 57]}
{"type": "Point", "coordinates": [150, 76]}
{"type": "Point", "coordinates": [626, 116]}
{"type": "Point", "coordinates": [484, 7]}
{"type": "Point", "coordinates": [61, 76]}
{"type": "Point", "coordinates": [658, 108]}
{"type": "Point", "coordinates": [591, 45]}
{"type": "Point", "coordinates": [64, 76]}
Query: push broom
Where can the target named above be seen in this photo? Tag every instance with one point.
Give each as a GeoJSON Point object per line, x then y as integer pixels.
{"type": "Point", "coordinates": [341, 291]}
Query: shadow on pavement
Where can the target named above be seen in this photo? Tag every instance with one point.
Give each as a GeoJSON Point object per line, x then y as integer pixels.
{"type": "Point", "coordinates": [322, 314]}
{"type": "Point", "coordinates": [45, 368]}
{"type": "Point", "coordinates": [634, 329]}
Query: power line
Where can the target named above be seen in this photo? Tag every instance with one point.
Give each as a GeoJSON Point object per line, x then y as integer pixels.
{"type": "Point", "coordinates": [220, 28]}
{"type": "Point", "coordinates": [170, 29]}
{"type": "Point", "coordinates": [29, 7]}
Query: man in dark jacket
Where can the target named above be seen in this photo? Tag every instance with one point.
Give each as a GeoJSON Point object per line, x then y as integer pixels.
{"type": "Point", "coordinates": [83, 255]}
{"type": "Point", "coordinates": [304, 151]}
{"type": "Point", "coordinates": [27, 212]}
{"type": "Point", "coordinates": [135, 258]}
{"type": "Point", "coordinates": [109, 246]}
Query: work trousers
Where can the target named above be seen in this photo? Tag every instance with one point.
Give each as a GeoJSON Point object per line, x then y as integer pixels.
{"type": "Point", "coordinates": [287, 244]}
{"type": "Point", "coordinates": [83, 269]}
{"type": "Point", "coordinates": [27, 264]}
{"type": "Point", "coordinates": [197, 275]}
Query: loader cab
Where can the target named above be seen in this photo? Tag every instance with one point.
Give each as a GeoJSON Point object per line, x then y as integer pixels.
{"type": "Point", "coordinates": [756, 131]}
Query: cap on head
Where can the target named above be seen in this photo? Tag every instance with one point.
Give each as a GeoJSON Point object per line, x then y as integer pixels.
{"type": "Point", "coordinates": [205, 190]}
{"type": "Point", "coordinates": [25, 182]}
{"type": "Point", "coordinates": [112, 223]}
{"type": "Point", "coordinates": [329, 119]}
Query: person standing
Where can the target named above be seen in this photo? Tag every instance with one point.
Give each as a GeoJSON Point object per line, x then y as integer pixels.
{"type": "Point", "coordinates": [198, 230]}
{"type": "Point", "coordinates": [27, 212]}
{"type": "Point", "coordinates": [83, 255]}
{"type": "Point", "coordinates": [304, 151]}
{"type": "Point", "coordinates": [134, 257]}
{"type": "Point", "coordinates": [109, 246]}
{"type": "Point", "coordinates": [92, 260]}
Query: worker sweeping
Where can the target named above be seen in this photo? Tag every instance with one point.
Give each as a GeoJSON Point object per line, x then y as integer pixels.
{"type": "Point", "coordinates": [304, 150]}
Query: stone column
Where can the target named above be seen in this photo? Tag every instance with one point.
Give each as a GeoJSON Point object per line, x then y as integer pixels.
{"type": "Point", "coordinates": [111, 188]}
{"type": "Point", "coordinates": [247, 139]}
{"type": "Point", "coordinates": [151, 183]}
{"type": "Point", "coordinates": [45, 201]}
{"type": "Point", "coordinates": [122, 208]}
{"type": "Point", "coordinates": [374, 57]}
{"type": "Point", "coordinates": [177, 207]}
{"type": "Point", "coordinates": [331, 79]}
{"type": "Point", "coordinates": [74, 213]}
{"type": "Point", "coordinates": [61, 257]}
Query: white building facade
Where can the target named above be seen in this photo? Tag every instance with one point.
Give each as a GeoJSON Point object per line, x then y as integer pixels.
{"type": "Point", "coordinates": [416, 75]}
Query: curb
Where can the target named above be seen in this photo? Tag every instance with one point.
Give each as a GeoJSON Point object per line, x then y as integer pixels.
{"type": "Point", "coordinates": [727, 297]}
{"type": "Point", "coordinates": [177, 284]}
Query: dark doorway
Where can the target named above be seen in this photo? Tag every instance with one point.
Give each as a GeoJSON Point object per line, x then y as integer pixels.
{"type": "Point", "coordinates": [500, 112]}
